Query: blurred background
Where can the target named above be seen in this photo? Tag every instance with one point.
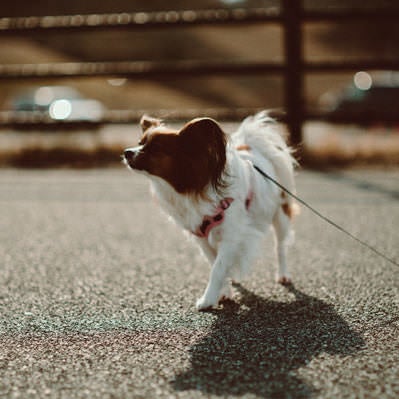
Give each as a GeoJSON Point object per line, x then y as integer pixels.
{"type": "Point", "coordinates": [76, 76]}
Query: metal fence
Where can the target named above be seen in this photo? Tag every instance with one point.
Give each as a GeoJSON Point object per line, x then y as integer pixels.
{"type": "Point", "coordinates": [291, 16]}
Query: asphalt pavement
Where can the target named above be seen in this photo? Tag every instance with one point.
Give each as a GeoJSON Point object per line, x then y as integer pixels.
{"type": "Point", "coordinates": [98, 290]}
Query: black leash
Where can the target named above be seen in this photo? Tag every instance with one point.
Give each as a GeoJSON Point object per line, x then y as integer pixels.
{"type": "Point", "coordinates": [365, 244]}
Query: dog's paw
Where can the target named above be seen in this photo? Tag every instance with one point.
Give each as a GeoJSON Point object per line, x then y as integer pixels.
{"type": "Point", "coordinates": [205, 304]}
{"type": "Point", "coordinates": [284, 280]}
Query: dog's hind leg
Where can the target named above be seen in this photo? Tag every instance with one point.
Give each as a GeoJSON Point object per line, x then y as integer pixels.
{"type": "Point", "coordinates": [284, 235]}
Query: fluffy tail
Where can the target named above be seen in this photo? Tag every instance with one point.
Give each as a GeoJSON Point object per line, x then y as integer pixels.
{"type": "Point", "coordinates": [266, 136]}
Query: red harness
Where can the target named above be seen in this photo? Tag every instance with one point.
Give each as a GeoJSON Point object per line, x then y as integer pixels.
{"type": "Point", "coordinates": [209, 222]}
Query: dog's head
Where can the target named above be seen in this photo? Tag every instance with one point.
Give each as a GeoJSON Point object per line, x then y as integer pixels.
{"type": "Point", "coordinates": [190, 159]}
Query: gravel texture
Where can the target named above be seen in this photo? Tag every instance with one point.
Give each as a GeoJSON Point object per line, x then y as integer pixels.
{"type": "Point", "coordinates": [97, 294]}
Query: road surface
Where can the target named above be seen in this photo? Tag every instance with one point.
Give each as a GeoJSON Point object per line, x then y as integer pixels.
{"type": "Point", "coordinates": [97, 295]}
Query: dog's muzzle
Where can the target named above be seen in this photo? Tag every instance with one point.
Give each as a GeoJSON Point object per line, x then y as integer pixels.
{"type": "Point", "coordinates": [131, 154]}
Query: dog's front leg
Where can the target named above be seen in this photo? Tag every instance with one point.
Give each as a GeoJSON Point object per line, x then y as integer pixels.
{"type": "Point", "coordinates": [217, 280]}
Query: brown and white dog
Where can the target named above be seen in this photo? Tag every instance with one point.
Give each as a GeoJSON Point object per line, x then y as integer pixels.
{"type": "Point", "coordinates": [206, 181]}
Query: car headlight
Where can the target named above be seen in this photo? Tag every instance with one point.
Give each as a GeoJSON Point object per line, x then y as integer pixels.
{"type": "Point", "coordinates": [60, 109]}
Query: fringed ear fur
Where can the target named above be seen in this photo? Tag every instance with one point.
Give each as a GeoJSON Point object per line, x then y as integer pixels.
{"type": "Point", "coordinates": [204, 142]}
{"type": "Point", "coordinates": [148, 121]}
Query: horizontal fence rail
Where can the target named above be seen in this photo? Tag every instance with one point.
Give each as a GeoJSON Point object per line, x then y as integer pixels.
{"type": "Point", "coordinates": [185, 68]}
{"type": "Point", "coordinates": [38, 120]}
{"type": "Point", "coordinates": [184, 18]}
{"type": "Point", "coordinates": [140, 20]}
{"type": "Point", "coordinates": [136, 69]}
{"type": "Point", "coordinates": [290, 16]}
{"type": "Point", "coordinates": [32, 119]}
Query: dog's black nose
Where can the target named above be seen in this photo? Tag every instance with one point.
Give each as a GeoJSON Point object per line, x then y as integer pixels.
{"type": "Point", "coordinates": [129, 154]}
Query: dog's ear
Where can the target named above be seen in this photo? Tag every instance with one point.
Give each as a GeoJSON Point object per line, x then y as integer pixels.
{"type": "Point", "coordinates": [203, 134]}
{"type": "Point", "coordinates": [147, 121]}
{"type": "Point", "coordinates": [204, 144]}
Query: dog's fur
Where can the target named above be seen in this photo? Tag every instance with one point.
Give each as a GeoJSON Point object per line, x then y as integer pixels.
{"type": "Point", "coordinates": [192, 170]}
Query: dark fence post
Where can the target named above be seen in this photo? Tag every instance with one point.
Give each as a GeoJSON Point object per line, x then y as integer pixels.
{"type": "Point", "coordinates": [293, 72]}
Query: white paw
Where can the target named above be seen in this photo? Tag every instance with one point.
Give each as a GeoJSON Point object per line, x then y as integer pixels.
{"type": "Point", "coordinates": [204, 303]}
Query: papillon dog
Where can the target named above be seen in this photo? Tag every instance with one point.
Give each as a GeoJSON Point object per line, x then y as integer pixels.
{"type": "Point", "coordinates": [206, 180]}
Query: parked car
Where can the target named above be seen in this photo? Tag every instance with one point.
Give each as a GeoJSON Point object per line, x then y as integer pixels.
{"type": "Point", "coordinates": [370, 98]}
{"type": "Point", "coordinates": [59, 103]}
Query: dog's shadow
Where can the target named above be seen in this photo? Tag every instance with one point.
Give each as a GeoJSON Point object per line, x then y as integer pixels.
{"type": "Point", "coordinates": [258, 346]}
